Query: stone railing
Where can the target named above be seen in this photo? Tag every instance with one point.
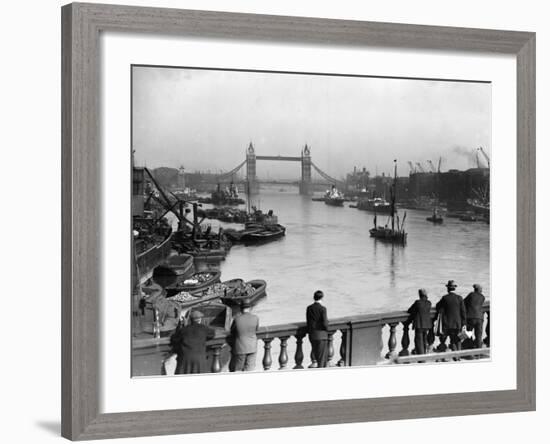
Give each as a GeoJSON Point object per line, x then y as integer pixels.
{"type": "Point", "coordinates": [360, 340]}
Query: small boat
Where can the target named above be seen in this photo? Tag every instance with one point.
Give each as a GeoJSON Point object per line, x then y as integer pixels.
{"type": "Point", "coordinates": [377, 204]}
{"type": "Point", "coordinates": [318, 199]}
{"type": "Point", "coordinates": [236, 235]}
{"type": "Point", "coordinates": [468, 218]}
{"type": "Point", "coordinates": [182, 264]}
{"type": "Point", "coordinates": [435, 218]}
{"type": "Point", "coordinates": [211, 293]}
{"type": "Point", "coordinates": [253, 290]}
{"type": "Point", "coordinates": [195, 282]}
{"type": "Point", "coordinates": [334, 197]}
{"type": "Point", "coordinates": [267, 234]}
{"type": "Point", "coordinates": [229, 196]}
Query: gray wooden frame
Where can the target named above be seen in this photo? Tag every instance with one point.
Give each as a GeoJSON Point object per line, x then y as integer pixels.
{"type": "Point", "coordinates": [81, 166]}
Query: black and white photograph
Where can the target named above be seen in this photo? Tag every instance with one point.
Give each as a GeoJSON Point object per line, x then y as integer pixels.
{"type": "Point", "coordinates": [285, 221]}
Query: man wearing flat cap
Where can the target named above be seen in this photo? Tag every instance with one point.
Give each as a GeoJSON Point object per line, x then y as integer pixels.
{"type": "Point", "coordinates": [189, 343]}
{"type": "Point", "coordinates": [453, 315]}
{"type": "Point", "coordinates": [244, 342]}
{"type": "Point", "coordinates": [474, 314]}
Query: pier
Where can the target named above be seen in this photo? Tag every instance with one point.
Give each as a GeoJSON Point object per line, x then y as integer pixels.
{"type": "Point", "coordinates": [370, 339]}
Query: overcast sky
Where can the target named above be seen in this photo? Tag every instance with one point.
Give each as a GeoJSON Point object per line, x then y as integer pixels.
{"type": "Point", "coordinates": [205, 119]}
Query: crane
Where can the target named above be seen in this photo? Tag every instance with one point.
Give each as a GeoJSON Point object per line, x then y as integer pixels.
{"type": "Point", "coordinates": [411, 166]}
{"type": "Point", "coordinates": [420, 167]}
{"type": "Point", "coordinates": [431, 165]}
{"type": "Point", "coordinates": [486, 156]}
{"type": "Point", "coordinates": [439, 165]}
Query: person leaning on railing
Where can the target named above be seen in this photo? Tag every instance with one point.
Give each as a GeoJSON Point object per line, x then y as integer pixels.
{"type": "Point", "coordinates": [453, 315]}
{"type": "Point", "coordinates": [474, 314]}
{"type": "Point", "coordinates": [317, 328]}
{"type": "Point", "coordinates": [243, 339]}
{"type": "Point", "coordinates": [421, 319]}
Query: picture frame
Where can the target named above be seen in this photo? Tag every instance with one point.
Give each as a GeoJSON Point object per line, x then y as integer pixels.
{"type": "Point", "coordinates": [81, 244]}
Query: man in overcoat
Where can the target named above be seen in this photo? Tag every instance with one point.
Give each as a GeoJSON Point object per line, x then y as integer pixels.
{"type": "Point", "coordinates": [474, 314]}
{"type": "Point", "coordinates": [189, 343]}
{"type": "Point", "coordinates": [244, 342]}
{"type": "Point", "coordinates": [453, 315]}
{"type": "Point", "coordinates": [421, 319]}
{"type": "Point", "coordinates": [317, 328]}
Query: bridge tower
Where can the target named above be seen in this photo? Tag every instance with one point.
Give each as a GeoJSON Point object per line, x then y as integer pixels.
{"type": "Point", "coordinates": [305, 184]}
{"type": "Point", "coordinates": [251, 178]}
{"type": "Point", "coordinates": [181, 178]}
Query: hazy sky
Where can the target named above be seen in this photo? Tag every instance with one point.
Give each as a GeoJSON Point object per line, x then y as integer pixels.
{"type": "Point", "coordinates": [205, 119]}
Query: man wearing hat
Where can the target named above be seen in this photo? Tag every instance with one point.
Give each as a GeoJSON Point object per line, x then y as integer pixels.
{"type": "Point", "coordinates": [453, 315]}
{"type": "Point", "coordinates": [474, 313]}
{"type": "Point", "coordinates": [244, 342]}
{"type": "Point", "coordinates": [189, 343]}
{"type": "Point", "coordinates": [317, 329]}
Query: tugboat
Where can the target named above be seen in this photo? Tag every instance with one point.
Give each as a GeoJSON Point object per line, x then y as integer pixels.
{"type": "Point", "coordinates": [376, 204]}
{"type": "Point", "coordinates": [334, 197]}
{"type": "Point", "coordinates": [229, 196]}
{"type": "Point", "coordinates": [395, 234]}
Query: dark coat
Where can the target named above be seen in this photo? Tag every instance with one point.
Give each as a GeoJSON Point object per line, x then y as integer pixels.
{"type": "Point", "coordinates": [317, 321]}
{"type": "Point", "coordinates": [474, 305]}
{"type": "Point", "coordinates": [420, 314]}
{"type": "Point", "coordinates": [189, 343]}
{"type": "Point", "coordinates": [243, 332]}
{"type": "Point", "coordinates": [453, 312]}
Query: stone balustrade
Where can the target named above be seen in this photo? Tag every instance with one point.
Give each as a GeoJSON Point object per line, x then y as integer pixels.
{"type": "Point", "coordinates": [362, 340]}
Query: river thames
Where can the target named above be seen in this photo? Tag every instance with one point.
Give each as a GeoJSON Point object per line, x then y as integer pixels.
{"type": "Point", "coordinates": [329, 248]}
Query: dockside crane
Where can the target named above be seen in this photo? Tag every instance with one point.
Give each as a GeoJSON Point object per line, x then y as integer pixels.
{"type": "Point", "coordinates": [431, 165]}
{"type": "Point", "coordinates": [485, 156]}
{"type": "Point", "coordinates": [439, 165]}
{"type": "Point", "coordinates": [411, 166]}
{"type": "Point", "coordinates": [420, 167]}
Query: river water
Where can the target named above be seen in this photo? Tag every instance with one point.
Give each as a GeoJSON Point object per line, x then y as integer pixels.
{"type": "Point", "coordinates": [329, 248]}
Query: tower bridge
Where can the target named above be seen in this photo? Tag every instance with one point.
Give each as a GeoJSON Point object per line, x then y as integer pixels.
{"type": "Point", "coordinates": [305, 183]}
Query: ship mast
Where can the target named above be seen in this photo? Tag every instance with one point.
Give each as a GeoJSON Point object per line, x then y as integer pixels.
{"type": "Point", "coordinates": [393, 194]}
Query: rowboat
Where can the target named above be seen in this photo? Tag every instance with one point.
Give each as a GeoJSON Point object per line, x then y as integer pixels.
{"type": "Point", "coordinates": [252, 290]}
{"type": "Point", "coordinates": [264, 235]}
{"type": "Point", "coordinates": [195, 282]}
{"type": "Point", "coordinates": [436, 219]}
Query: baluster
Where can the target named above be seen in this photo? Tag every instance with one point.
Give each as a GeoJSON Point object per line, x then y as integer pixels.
{"type": "Point", "coordinates": [330, 346]}
{"type": "Point", "coordinates": [343, 344]}
{"type": "Point", "coordinates": [392, 342]}
{"type": "Point", "coordinates": [216, 364]}
{"type": "Point", "coordinates": [283, 356]}
{"type": "Point", "coordinates": [405, 340]}
{"type": "Point", "coordinates": [299, 355]}
{"type": "Point", "coordinates": [313, 361]}
{"type": "Point", "coordinates": [156, 324]}
{"type": "Point", "coordinates": [266, 361]}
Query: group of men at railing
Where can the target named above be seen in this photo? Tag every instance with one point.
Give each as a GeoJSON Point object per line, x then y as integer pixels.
{"type": "Point", "coordinates": [456, 318]}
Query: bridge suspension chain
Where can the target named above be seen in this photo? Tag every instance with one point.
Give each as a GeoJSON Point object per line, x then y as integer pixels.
{"type": "Point", "coordinates": [230, 173]}
{"type": "Point", "coordinates": [326, 176]}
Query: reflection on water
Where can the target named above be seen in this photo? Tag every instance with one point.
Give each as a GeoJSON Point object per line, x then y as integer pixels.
{"type": "Point", "coordinates": [329, 248]}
